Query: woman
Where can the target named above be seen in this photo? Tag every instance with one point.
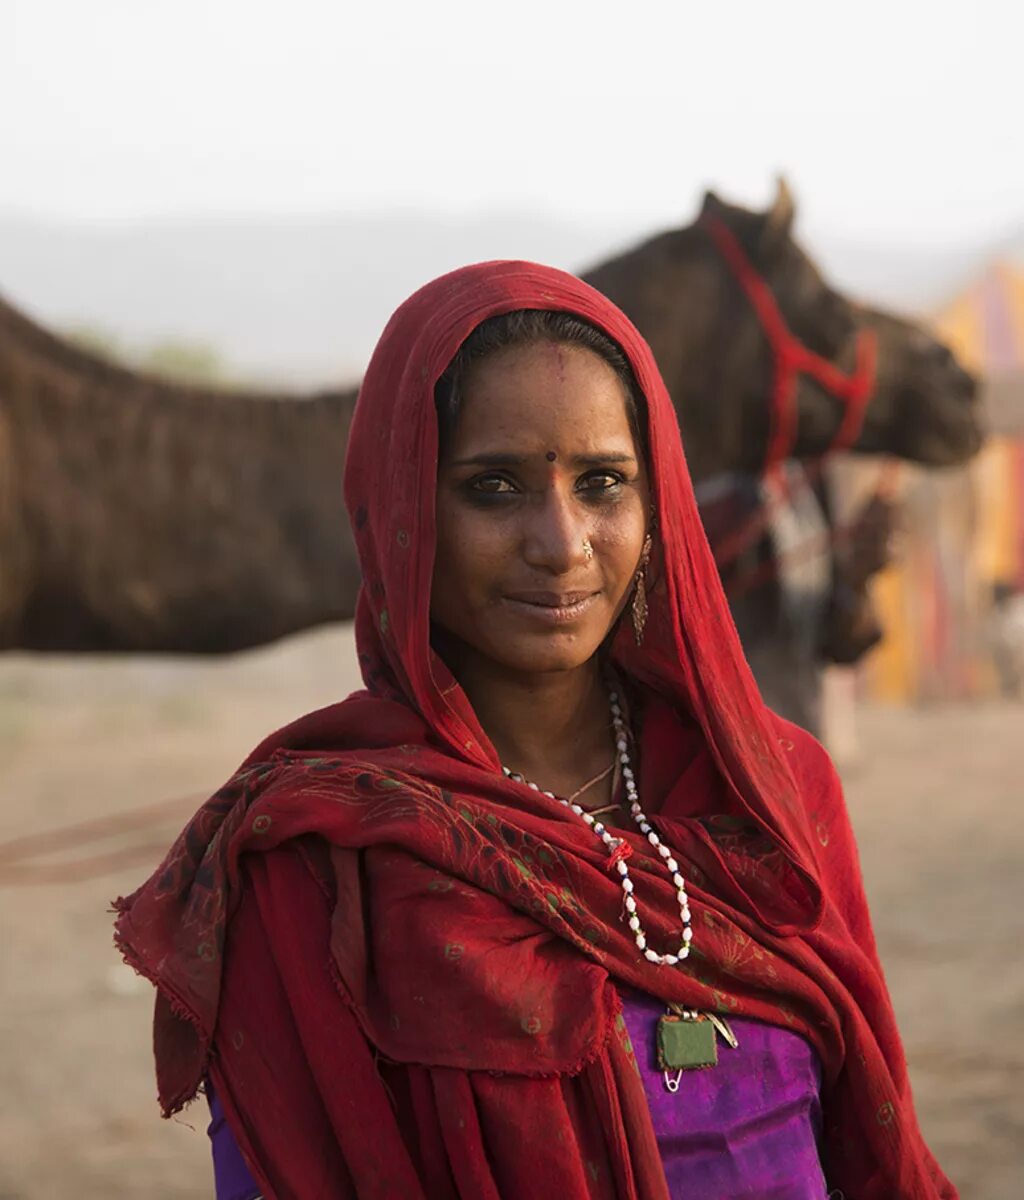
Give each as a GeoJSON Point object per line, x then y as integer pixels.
{"type": "Point", "coordinates": [426, 942]}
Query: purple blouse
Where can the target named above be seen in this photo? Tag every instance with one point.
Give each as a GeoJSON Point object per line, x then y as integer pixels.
{"type": "Point", "coordinates": [231, 1178]}
{"type": "Point", "coordinates": [746, 1127]}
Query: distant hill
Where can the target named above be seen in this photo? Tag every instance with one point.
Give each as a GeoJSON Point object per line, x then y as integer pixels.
{"type": "Point", "coordinates": [303, 300]}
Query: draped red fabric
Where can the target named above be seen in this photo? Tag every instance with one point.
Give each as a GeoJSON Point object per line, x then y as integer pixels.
{"type": "Point", "coordinates": [399, 967]}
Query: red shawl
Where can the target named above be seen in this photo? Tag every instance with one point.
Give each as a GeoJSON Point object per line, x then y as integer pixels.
{"type": "Point", "coordinates": [398, 967]}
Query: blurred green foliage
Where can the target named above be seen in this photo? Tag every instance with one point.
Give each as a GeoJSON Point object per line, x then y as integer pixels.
{"type": "Point", "coordinates": [95, 340]}
{"type": "Point", "coordinates": [189, 361]}
{"type": "Point", "coordinates": [184, 360]}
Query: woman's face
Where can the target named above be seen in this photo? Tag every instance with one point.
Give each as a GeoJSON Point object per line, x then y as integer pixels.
{"type": "Point", "coordinates": [542, 501]}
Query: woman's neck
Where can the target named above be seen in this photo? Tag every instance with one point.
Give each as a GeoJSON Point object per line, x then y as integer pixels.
{"type": "Point", "coordinates": [554, 728]}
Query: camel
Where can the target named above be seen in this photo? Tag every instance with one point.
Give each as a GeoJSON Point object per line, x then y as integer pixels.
{"type": "Point", "coordinates": [802, 606]}
{"type": "Point", "coordinates": [139, 515]}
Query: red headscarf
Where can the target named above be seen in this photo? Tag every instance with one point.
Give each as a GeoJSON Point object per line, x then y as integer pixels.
{"type": "Point", "coordinates": [405, 986]}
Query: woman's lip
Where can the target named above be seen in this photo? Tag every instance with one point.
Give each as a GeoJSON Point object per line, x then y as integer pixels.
{"type": "Point", "coordinates": [564, 610]}
{"type": "Point", "coordinates": [550, 599]}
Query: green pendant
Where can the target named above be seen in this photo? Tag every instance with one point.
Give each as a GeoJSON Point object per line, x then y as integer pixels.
{"type": "Point", "coordinates": [686, 1044]}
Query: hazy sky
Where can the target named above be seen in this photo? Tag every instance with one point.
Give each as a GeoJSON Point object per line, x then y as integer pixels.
{"type": "Point", "coordinates": [896, 119]}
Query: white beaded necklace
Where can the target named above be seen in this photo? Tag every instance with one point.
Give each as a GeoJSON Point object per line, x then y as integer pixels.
{"type": "Point", "coordinates": [613, 843]}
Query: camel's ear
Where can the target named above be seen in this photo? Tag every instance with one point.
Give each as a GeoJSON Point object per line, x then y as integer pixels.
{"type": "Point", "coordinates": [713, 205]}
{"type": "Point", "coordinates": [778, 221]}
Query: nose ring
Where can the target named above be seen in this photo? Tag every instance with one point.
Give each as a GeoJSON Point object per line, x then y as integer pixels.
{"type": "Point", "coordinates": [588, 549]}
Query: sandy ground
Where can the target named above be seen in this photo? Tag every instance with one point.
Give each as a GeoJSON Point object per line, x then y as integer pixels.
{"type": "Point", "coordinates": [934, 801]}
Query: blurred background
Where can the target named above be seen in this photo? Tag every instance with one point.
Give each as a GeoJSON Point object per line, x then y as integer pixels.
{"type": "Point", "coordinates": [234, 196]}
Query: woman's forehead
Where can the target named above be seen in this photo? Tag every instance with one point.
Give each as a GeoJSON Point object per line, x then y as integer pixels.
{"type": "Point", "coordinates": [545, 399]}
{"type": "Point", "coordinates": [540, 379]}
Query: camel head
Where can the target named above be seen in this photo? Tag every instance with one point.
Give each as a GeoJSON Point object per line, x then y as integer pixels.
{"type": "Point", "coordinates": [816, 314]}
{"type": "Point", "coordinates": [922, 406]}
{"type": "Point", "coordinates": [709, 342]}
{"type": "Point", "coordinates": [740, 378]}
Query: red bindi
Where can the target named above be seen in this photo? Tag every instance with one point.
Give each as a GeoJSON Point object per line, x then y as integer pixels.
{"type": "Point", "coordinates": [551, 456]}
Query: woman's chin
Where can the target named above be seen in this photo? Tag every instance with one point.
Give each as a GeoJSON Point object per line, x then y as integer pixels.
{"type": "Point", "coordinates": [541, 656]}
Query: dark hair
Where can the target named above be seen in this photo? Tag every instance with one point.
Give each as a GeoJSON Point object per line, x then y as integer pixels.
{"type": "Point", "coordinates": [522, 328]}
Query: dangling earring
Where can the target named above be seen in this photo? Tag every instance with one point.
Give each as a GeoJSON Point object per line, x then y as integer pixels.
{"type": "Point", "coordinates": [639, 607]}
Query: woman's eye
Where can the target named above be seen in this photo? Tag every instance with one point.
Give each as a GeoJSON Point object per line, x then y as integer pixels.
{"type": "Point", "coordinates": [601, 481]}
{"type": "Point", "coordinates": [492, 485]}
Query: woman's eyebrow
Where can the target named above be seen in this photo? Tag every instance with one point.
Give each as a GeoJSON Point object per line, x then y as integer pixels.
{"type": "Point", "coordinates": [612, 457]}
{"type": "Point", "coordinates": [507, 459]}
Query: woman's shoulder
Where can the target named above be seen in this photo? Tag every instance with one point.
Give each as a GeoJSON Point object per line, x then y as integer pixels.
{"type": "Point", "coordinates": [812, 766]}
{"type": "Point", "coordinates": [362, 721]}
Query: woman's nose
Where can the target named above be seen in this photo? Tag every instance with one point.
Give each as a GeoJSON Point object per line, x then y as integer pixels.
{"type": "Point", "coordinates": [555, 538]}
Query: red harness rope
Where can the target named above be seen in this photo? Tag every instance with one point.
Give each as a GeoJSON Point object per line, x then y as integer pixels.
{"type": "Point", "coordinates": [793, 359]}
